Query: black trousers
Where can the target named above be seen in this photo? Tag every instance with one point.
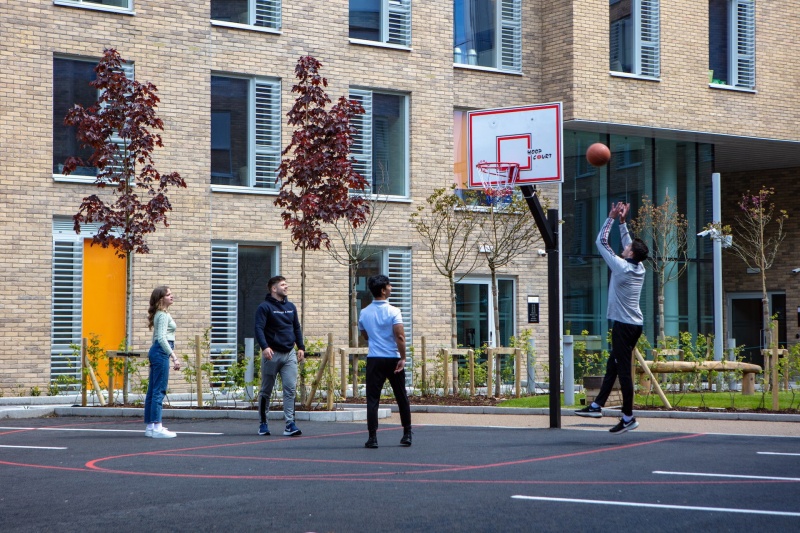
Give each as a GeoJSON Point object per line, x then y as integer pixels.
{"type": "Point", "coordinates": [623, 340]}
{"type": "Point", "coordinates": [379, 369]}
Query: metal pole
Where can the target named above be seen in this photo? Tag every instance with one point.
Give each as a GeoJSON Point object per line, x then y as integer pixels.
{"type": "Point", "coordinates": [717, 247]}
{"type": "Point", "coordinates": [249, 370]}
{"type": "Point", "coordinates": [531, 367]}
{"type": "Point", "coordinates": [569, 370]}
{"type": "Point", "coordinates": [554, 322]}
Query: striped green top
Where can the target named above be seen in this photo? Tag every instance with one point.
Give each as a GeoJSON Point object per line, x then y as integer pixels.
{"type": "Point", "coordinates": [163, 330]}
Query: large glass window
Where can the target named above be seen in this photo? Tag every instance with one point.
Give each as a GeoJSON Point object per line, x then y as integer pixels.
{"type": "Point", "coordinates": [245, 132]}
{"type": "Point", "coordinates": [380, 145]}
{"type": "Point", "coordinates": [261, 13]}
{"type": "Point", "coordinates": [71, 80]}
{"type": "Point", "coordinates": [639, 166]}
{"type": "Point", "coordinates": [385, 21]}
{"type": "Point", "coordinates": [731, 43]}
{"type": "Point", "coordinates": [239, 275]}
{"type": "Point", "coordinates": [634, 37]}
{"type": "Point", "coordinates": [487, 33]}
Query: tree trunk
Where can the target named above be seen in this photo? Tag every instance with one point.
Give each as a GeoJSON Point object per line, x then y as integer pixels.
{"type": "Point", "coordinates": [302, 365]}
{"type": "Point", "coordinates": [128, 321]}
{"type": "Point", "coordinates": [453, 313]}
{"type": "Point", "coordinates": [353, 308]}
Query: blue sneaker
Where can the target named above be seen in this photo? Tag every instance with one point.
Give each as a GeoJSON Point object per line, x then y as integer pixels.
{"type": "Point", "coordinates": [263, 429]}
{"type": "Point", "coordinates": [291, 430]}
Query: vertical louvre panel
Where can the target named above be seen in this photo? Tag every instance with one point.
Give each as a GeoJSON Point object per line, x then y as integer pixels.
{"type": "Point", "coordinates": [268, 14]}
{"type": "Point", "coordinates": [362, 140]}
{"type": "Point", "coordinates": [399, 22]}
{"type": "Point", "coordinates": [399, 271]}
{"type": "Point", "coordinates": [267, 133]}
{"type": "Point", "coordinates": [511, 35]}
{"type": "Point", "coordinates": [224, 303]}
{"type": "Point", "coordinates": [117, 168]}
{"type": "Point", "coordinates": [649, 38]}
{"type": "Point", "coordinates": [745, 43]}
{"type": "Point", "coordinates": [67, 302]}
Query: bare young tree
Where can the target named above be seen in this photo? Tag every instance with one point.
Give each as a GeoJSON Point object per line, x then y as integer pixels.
{"type": "Point", "coordinates": [507, 231]}
{"type": "Point", "coordinates": [757, 234]}
{"type": "Point", "coordinates": [447, 225]}
{"type": "Point", "coordinates": [665, 230]}
{"type": "Point", "coordinates": [350, 247]}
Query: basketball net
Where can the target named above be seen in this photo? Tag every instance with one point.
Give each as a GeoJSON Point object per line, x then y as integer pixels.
{"type": "Point", "coordinates": [498, 180]}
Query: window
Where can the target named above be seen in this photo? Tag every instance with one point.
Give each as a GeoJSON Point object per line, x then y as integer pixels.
{"type": "Point", "coordinates": [731, 39]}
{"type": "Point", "coordinates": [396, 264]}
{"type": "Point", "coordinates": [106, 5]}
{"type": "Point", "coordinates": [71, 78]}
{"type": "Point", "coordinates": [259, 13]}
{"type": "Point", "coordinates": [239, 275]}
{"type": "Point", "coordinates": [487, 33]}
{"type": "Point", "coordinates": [245, 132]}
{"type": "Point", "coordinates": [384, 21]}
{"type": "Point", "coordinates": [634, 37]}
{"type": "Point", "coordinates": [380, 145]}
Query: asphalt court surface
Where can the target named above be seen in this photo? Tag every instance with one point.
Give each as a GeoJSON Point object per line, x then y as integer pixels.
{"type": "Point", "coordinates": [92, 474]}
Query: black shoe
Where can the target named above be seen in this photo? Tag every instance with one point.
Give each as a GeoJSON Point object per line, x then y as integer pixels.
{"type": "Point", "coordinates": [591, 412]}
{"type": "Point", "coordinates": [372, 442]}
{"type": "Point", "coordinates": [406, 440]}
{"type": "Point", "coordinates": [623, 426]}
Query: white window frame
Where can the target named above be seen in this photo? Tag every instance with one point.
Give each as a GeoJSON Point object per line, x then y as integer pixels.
{"type": "Point", "coordinates": [130, 72]}
{"type": "Point", "coordinates": [262, 15]}
{"type": "Point", "coordinates": [395, 25]}
{"type": "Point", "coordinates": [84, 4]}
{"type": "Point", "coordinates": [646, 46]}
{"type": "Point", "coordinates": [264, 136]}
{"type": "Point", "coordinates": [508, 40]}
{"type": "Point", "coordinates": [362, 149]}
{"type": "Point", "coordinates": [742, 43]}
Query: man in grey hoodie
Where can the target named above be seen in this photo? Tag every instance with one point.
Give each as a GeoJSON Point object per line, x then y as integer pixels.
{"type": "Point", "coordinates": [277, 333]}
{"type": "Point", "coordinates": [624, 289]}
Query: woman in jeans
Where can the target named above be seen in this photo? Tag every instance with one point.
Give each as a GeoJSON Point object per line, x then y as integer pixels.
{"type": "Point", "coordinates": [161, 354]}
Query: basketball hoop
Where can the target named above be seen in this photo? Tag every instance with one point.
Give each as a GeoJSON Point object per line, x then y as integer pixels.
{"type": "Point", "coordinates": [498, 179]}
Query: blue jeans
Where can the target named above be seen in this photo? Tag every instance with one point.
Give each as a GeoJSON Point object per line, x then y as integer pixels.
{"type": "Point", "coordinates": [157, 382]}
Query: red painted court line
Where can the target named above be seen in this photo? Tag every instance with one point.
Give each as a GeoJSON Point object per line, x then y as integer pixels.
{"type": "Point", "coordinates": [297, 460]}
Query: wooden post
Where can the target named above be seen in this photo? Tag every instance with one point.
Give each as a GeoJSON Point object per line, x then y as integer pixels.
{"type": "Point", "coordinates": [444, 353]}
{"type": "Point", "coordinates": [355, 375]}
{"type": "Point", "coordinates": [424, 385]}
{"type": "Point", "coordinates": [489, 370]}
{"type": "Point", "coordinates": [775, 383]}
{"type": "Point", "coordinates": [471, 364]}
{"type": "Point", "coordinates": [96, 386]}
{"type": "Point", "coordinates": [343, 370]}
{"type": "Point", "coordinates": [318, 377]}
{"type": "Point", "coordinates": [198, 372]}
{"type": "Point", "coordinates": [125, 379]}
{"type": "Point", "coordinates": [517, 372]}
{"type": "Point", "coordinates": [332, 359]}
{"type": "Point", "coordinates": [110, 381]}
{"type": "Point", "coordinates": [652, 378]}
{"type": "Point", "coordinates": [84, 365]}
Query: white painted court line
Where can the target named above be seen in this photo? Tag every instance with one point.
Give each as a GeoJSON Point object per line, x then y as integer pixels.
{"type": "Point", "coordinates": [659, 506]}
{"type": "Point", "coordinates": [728, 476]}
{"type": "Point", "coordinates": [34, 447]}
{"type": "Point", "coordinates": [779, 453]}
{"type": "Point", "coordinates": [96, 430]}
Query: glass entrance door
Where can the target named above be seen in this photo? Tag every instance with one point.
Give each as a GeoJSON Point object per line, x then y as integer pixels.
{"type": "Point", "coordinates": [475, 312]}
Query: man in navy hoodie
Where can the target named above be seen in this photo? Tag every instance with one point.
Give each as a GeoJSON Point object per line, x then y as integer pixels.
{"type": "Point", "coordinates": [278, 332]}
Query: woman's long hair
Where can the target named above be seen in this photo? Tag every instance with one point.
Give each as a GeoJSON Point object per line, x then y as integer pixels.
{"type": "Point", "coordinates": [156, 303]}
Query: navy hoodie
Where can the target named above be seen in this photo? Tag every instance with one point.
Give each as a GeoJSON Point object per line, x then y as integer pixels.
{"type": "Point", "coordinates": [277, 325]}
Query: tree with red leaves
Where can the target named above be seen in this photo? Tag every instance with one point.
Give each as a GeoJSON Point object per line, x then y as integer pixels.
{"type": "Point", "coordinates": [318, 177]}
{"type": "Point", "coordinates": [119, 129]}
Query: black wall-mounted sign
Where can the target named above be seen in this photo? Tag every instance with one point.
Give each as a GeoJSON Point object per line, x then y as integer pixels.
{"type": "Point", "coordinates": [533, 309]}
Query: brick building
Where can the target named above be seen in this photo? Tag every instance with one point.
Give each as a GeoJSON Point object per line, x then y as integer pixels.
{"type": "Point", "coordinates": [633, 74]}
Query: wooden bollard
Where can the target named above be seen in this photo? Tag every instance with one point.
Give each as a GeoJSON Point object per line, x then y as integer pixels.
{"type": "Point", "coordinates": [343, 370]}
{"type": "Point", "coordinates": [198, 372]}
{"type": "Point", "coordinates": [423, 364]}
{"type": "Point", "coordinates": [489, 371]}
{"type": "Point", "coordinates": [517, 372]}
{"type": "Point", "coordinates": [355, 375]}
{"type": "Point", "coordinates": [446, 367]}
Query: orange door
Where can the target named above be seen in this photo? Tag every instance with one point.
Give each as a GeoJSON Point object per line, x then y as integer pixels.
{"type": "Point", "coordinates": [104, 302]}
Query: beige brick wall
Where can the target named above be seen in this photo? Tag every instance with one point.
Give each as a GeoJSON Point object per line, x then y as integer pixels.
{"type": "Point", "coordinates": [565, 58]}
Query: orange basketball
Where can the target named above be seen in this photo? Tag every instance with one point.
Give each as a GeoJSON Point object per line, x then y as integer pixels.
{"type": "Point", "coordinates": [598, 154]}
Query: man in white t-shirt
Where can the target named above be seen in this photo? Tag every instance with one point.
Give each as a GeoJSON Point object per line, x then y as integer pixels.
{"type": "Point", "coordinates": [381, 324]}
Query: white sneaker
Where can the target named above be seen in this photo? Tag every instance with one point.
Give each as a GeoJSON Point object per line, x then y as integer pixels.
{"type": "Point", "coordinates": [164, 433]}
{"type": "Point", "coordinates": [148, 432]}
